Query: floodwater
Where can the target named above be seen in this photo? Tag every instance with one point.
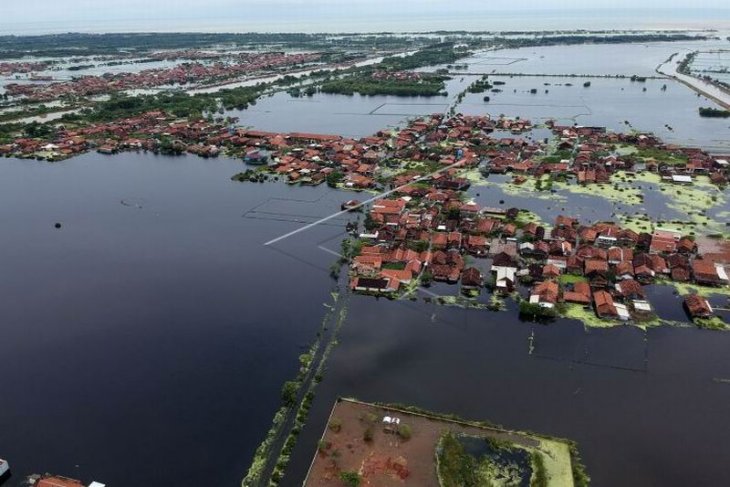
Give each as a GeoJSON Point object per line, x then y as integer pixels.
{"type": "Point", "coordinates": [592, 59]}
{"type": "Point", "coordinates": [670, 113]}
{"type": "Point", "coordinates": [145, 341]}
{"type": "Point", "coordinates": [154, 325]}
{"type": "Point", "coordinates": [351, 116]}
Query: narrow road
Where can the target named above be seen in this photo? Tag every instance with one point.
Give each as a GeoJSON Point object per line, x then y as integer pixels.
{"type": "Point", "coordinates": [327, 337]}
{"type": "Point", "coordinates": [706, 88]}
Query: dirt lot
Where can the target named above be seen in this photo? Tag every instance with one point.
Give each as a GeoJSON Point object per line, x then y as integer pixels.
{"type": "Point", "coordinates": [387, 459]}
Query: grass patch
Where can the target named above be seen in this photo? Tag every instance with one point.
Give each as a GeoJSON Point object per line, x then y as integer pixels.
{"type": "Point", "coordinates": [661, 155]}
{"type": "Point", "coordinates": [566, 279]}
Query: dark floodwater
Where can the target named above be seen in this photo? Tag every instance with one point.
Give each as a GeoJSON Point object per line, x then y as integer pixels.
{"type": "Point", "coordinates": [643, 407]}
{"type": "Point", "coordinates": [145, 342]}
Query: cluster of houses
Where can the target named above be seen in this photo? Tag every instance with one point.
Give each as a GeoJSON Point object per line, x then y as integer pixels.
{"type": "Point", "coordinates": [21, 67]}
{"type": "Point", "coordinates": [431, 142]}
{"type": "Point", "coordinates": [600, 265]}
{"type": "Point", "coordinates": [181, 74]}
{"type": "Point", "coordinates": [592, 158]}
{"type": "Point", "coordinates": [190, 54]}
{"type": "Point", "coordinates": [158, 130]}
{"type": "Point", "coordinates": [425, 230]}
{"type": "Point", "coordinates": [131, 133]}
{"type": "Point", "coordinates": [381, 75]}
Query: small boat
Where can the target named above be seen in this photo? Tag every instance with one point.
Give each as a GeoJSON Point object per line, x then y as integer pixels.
{"type": "Point", "coordinates": [4, 468]}
{"type": "Point", "coordinates": [351, 205]}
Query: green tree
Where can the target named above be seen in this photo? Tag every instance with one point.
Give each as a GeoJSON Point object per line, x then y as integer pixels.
{"type": "Point", "coordinates": [289, 392]}
{"type": "Point", "coordinates": [334, 178]}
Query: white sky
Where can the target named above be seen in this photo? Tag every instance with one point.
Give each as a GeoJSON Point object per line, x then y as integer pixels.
{"type": "Point", "coordinates": [45, 10]}
{"type": "Point", "coordinates": [293, 11]}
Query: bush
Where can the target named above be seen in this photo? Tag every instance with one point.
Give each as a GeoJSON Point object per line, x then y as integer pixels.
{"type": "Point", "coordinates": [368, 418]}
{"type": "Point", "coordinates": [350, 479]}
{"type": "Point", "coordinates": [368, 434]}
{"type": "Point", "coordinates": [405, 431]}
{"type": "Point", "coordinates": [334, 178]}
{"type": "Point", "coordinates": [335, 425]}
{"type": "Point", "coordinates": [714, 112]}
{"type": "Point", "coordinates": [535, 311]}
{"type": "Point", "coordinates": [323, 446]}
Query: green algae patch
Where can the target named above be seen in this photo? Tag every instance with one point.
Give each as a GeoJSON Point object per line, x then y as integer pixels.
{"type": "Point", "coordinates": [638, 223]}
{"type": "Point", "coordinates": [587, 317]}
{"type": "Point", "coordinates": [526, 189]}
{"type": "Point", "coordinates": [616, 191]}
{"type": "Point", "coordinates": [697, 196]}
{"type": "Point", "coordinates": [689, 288]}
{"type": "Point", "coordinates": [694, 202]}
{"type": "Point", "coordinates": [509, 188]}
{"type": "Point", "coordinates": [714, 323]}
{"type": "Point", "coordinates": [460, 302]}
{"type": "Point", "coordinates": [475, 177]}
{"type": "Point", "coordinates": [499, 462]}
{"type": "Point", "coordinates": [496, 303]}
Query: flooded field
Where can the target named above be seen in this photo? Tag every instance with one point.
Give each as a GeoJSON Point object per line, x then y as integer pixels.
{"type": "Point", "coordinates": [713, 63]}
{"type": "Point", "coordinates": [617, 59]}
{"type": "Point", "coordinates": [610, 103]}
{"type": "Point", "coordinates": [671, 112]}
{"type": "Point", "coordinates": [352, 116]}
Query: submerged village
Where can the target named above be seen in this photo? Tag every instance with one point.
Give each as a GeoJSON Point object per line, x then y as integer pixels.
{"type": "Point", "coordinates": [420, 226]}
{"type": "Point", "coordinates": [449, 210]}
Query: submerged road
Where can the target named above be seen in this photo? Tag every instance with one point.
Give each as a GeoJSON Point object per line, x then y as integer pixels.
{"type": "Point", "coordinates": [326, 340]}
{"type": "Point", "coordinates": [706, 88]}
